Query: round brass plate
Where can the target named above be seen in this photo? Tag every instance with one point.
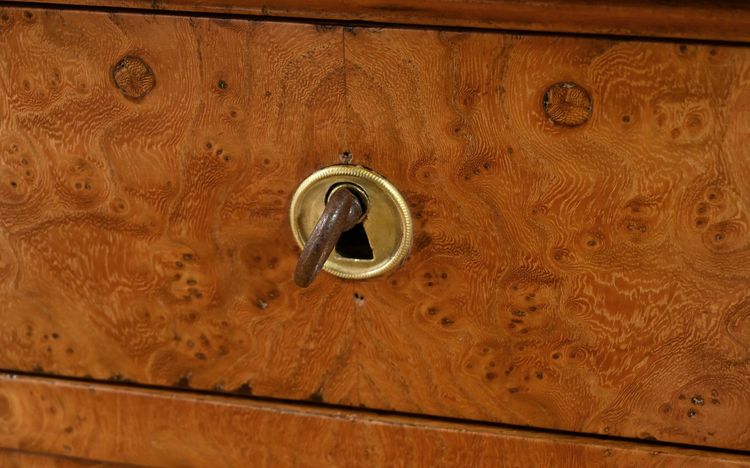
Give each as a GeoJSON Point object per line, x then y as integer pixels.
{"type": "Point", "coordinates": [388, 222]}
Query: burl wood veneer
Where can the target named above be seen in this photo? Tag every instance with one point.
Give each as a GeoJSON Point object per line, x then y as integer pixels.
{"type": "Point", "coordinates": [157, 428]}
{"type": "Point", "coordinates": [586, 271]}
{"type": "Point", "coordinates": [727, 20]}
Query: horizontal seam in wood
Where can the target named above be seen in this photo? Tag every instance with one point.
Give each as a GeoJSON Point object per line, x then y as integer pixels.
{"type": "Point", "coordinates": [305, 405]}
{"type": "Point", "coordinates": [363, 23]}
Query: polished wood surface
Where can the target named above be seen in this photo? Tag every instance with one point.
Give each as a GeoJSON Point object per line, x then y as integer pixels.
{"type": "Point", "coordinates": [727, 20]}
{"type": "Point", "coordinates": [164, 429]}
{"type": "Point", "coordinates": [573, 270]}
{"type": "Point", "coordinates": [18, 459]}
{"type": "Point", "coordinates": [582, 274]}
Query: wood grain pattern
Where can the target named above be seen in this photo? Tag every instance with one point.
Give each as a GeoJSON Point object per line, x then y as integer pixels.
{"type": "Point", "coordinates": [727, 20]}
{"type": "Point", "coordinates": [590, 278]}
{"type": "Point", "coordinates": [140, 238]}
{"type": "Point", "coordinates": [18, 459]}
{"type": "Point", "coordinates": [163, 429]}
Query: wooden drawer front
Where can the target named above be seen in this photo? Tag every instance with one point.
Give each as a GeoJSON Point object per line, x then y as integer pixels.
{"type": "Point", "coordinates": [16, 459]}
{"type": "Point", "coordinates": [157, 428]}
{"type": "Point", "coordinates": [590, 278]}
{"type": "Point", "coordinates": [691, 19]}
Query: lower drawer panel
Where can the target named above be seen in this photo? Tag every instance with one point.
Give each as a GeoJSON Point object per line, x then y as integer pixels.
{"type": "Point", "coordinates": [149, 427]}
{"type": "Point", "coordinates": [18, 459]}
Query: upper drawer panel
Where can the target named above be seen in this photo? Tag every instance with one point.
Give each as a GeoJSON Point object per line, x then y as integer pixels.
{"type": "Point", "coordinates": [689, 19]}
{"type": "Point", "coordinates": [571, 269]}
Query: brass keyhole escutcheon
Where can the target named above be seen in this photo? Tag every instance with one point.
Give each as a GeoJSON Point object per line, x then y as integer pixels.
{"type": "Point", "coordinates": [357, 216]}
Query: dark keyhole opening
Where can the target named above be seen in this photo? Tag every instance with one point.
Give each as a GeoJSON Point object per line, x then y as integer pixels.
{"type": "Point", "coordinates": [355, 244]}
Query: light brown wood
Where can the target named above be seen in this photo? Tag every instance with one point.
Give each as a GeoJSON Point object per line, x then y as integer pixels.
{"type": "Point", "coordinates": [161, 222]}
{"type": "Point", "coordinates": [163, 429]}
{"type": "Point", "coordinates": [17, 459]}
{"type": "Point", "coordinates": [727, 20]}
{"type": "Point", "coordinates": [593, 278]}
{"type": "Point", "coordinates": [589, 278]}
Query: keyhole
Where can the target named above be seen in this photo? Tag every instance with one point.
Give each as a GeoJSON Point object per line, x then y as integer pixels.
{"type": "Point", "coordinates": [355, 244]}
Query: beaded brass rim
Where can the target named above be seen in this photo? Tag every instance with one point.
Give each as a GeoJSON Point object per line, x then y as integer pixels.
{"type": "Point", "coordinates": [388, 223]}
